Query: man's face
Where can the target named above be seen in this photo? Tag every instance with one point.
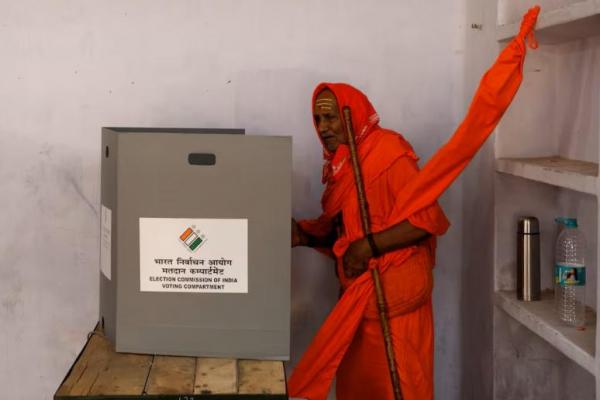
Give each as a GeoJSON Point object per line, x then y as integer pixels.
{"type": "Point", "coordinates": [328, 120]}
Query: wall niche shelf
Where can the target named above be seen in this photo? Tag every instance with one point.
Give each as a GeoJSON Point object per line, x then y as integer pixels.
{"type": "Point", "coordinates": [547, 148]}
{"type": "Point", "coordinates": [539, 317]}
{"type": "Point", "coordinates": [581, 176]}
{"type": "Point", "coordinates": [569, 22]}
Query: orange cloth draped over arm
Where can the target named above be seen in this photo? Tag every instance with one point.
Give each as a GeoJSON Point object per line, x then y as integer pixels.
{"type": "Point", "coordinates": [320, 228]}
{"type": "Point", "coordinates": [314, 373]}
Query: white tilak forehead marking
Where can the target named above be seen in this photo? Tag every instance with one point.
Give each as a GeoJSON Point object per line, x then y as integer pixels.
{"type": "Point", "coordinates": [330, 101]}
{"type": "Point", "coordinates": [325, 104]}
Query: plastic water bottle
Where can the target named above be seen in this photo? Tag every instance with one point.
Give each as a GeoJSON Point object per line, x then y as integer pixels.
{"type": "Point", "coordinates": [569, 273]}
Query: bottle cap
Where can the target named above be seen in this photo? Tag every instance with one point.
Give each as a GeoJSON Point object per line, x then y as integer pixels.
{"type": "Point", "coordinates": [529, 225]}
{"type": "Point", "coordinates": [567, 222]}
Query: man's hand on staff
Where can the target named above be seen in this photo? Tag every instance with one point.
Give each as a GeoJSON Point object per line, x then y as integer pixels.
{"type": "Point", "coordinates": [398, 236]}
{"type": "Point", "coordinates": [356, 258]}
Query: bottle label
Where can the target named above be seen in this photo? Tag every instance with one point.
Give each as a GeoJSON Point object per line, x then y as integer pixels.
{"type": "Point", "coordinates": [569, 275]}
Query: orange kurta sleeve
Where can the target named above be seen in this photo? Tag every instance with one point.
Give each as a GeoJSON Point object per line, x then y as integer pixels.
{"type": "Point", "coordinates": [430, 218]}
{"type": "Point", "coordinates": [320, 227]}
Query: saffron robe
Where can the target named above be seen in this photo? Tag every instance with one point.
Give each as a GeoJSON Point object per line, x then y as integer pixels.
{"type": "Point", "coordinates": [348, 334]}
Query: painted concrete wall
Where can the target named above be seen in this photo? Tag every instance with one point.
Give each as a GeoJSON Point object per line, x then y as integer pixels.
{"type": "Point", "coordinates": [69, 67]}
{"type": "Point", "coordinates": [476, 374]}
{"type": "Point", "coordinates": [527, 367]}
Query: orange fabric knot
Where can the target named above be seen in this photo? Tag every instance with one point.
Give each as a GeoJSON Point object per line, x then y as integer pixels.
{"type": "Point", "coordinates": [527, 27]}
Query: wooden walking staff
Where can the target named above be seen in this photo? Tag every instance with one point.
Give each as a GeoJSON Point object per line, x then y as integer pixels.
{"type": "Point", "coordinates": [366, 225]}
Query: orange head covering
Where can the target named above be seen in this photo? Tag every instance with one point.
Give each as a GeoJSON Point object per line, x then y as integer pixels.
{"type": "Point", "coordinates": [364, 120]}
{"type": "Point", "coordinates": [337, 169]}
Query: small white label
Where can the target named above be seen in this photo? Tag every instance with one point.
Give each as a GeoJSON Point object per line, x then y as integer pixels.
{"type": "Point", "coordinates": [105, 240]}
{"type": "Point", "coordinates": [194, 255]}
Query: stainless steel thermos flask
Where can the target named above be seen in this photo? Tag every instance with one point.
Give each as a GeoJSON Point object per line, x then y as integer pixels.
{"type": "Point", "coordinates": [528, 259]}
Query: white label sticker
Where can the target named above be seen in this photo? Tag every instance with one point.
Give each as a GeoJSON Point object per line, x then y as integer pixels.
{"type": "Point", "coordinates": [194, 255]}
{"type": "Point", "coordinates": [105, 240]}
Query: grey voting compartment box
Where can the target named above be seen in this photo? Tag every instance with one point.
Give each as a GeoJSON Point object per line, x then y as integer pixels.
{"type": "Point", "coordinates": [195, 243]}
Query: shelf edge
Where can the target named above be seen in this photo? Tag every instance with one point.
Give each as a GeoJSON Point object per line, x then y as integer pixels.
{"type": "Point", "coordinates": [564, 179]}
{"type": "Point", "coordinates": [554, 18]}
{"type": "Point", "coordinates": [542, 329]}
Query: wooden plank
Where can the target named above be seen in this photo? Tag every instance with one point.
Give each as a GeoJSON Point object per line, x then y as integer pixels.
{"type": "Point", "coordinates": [171, 375]}
{"type": "Point", "coordinates": [86, 370]}
{"type": "Point", "coordinates": [216, 376]}
{"type": "Point", "coordinates": [261, 377]}
{"type": "Point", "coordinates": [75, 372]}
{"type": "Point", "coordinates": [125, 374]}
{"type": "Point", "coordinates": [100, 371]}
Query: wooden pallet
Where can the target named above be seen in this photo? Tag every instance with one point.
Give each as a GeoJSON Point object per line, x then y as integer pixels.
{"type": "Point", "coordinates": [101, 373]}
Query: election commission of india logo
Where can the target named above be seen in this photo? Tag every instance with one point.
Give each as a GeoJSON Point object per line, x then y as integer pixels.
{"type": "Point", "coordinates": [192, 238]}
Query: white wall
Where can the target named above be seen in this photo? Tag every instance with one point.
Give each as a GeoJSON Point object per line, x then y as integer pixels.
{"type": "Point", "coordinates": [481, 49]}
{"type": "Point", "coordinates": [70, 67]}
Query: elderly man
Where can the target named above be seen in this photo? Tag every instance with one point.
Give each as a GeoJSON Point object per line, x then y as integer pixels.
{"type": "Point", "coordinates": [405, 219]}
{"type": "Point", "coordinates": [404, 249]}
